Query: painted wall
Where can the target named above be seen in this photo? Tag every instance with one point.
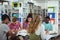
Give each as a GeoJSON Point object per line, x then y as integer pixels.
{"type": "Point", "coordinates": [56, 5]}
{"type": "Point", "coordinates": [42, 4]}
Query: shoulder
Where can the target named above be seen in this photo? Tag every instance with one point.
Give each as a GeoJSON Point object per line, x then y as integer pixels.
{"type": "Point", "coordinates": [50, 23]}
{"type": "Point", "coordinates": [18, 22]}
{"type": "Point", "coordinates": [43, 23]}
{"type": "Point", "coordinates": [4, 26]}
{"type": "Point", "coordinates": [11, 24]}
{"type": "Point", "coordinates": [41, 26]}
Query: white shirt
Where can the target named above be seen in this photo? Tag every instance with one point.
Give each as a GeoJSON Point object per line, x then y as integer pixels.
{"type": "Point", "coordinates": [40, 31]}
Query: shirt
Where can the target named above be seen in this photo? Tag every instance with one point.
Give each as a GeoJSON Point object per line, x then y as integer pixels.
{"type": "Point", "coordinates": [40, 31]}
{"type": "Point", "coordinates": [25, 25]}
{"type": "Point", "coordinates": [48, 26]}
{"type": "Point", "coordinates": [3, 31]}
{"type": "Point", "coordinates": [13, 26]}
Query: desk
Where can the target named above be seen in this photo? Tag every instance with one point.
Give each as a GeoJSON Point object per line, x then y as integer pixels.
{"type": "Point", "coordinates": [48, 36]}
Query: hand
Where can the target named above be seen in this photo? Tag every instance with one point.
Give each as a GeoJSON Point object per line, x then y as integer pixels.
{"type": "Point", "coordinates": [47, 31]}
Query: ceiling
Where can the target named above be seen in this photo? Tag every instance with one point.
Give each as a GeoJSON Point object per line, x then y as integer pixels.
{"type": "Point", "coordinates": [44, 0]}
{"type": "Point", "coordinates": [39, 1]}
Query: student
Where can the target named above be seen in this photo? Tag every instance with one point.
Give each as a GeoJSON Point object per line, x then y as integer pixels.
{"type": "Point", "coordinates": [48, 26]}
{"type": "Point", "coordinates": [33, 28]}
{"type": "Point", "coordinates": [15, 25]}
{"type": "Point", "coordinates": [27, 22]}
{"type": "Point", "coordinates": [4, 29]}
{"type": "Point", "coordinates": [40, 31]}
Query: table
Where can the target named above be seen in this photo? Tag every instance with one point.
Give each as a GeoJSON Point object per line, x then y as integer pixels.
{"type": "Point", "coordinates": [48, 36]}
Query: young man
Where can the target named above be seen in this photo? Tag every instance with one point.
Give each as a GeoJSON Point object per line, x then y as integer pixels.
{"type": "Point", "coordinates": [4, 29]}
{"type": "Point", "coordinates": [48, 26]}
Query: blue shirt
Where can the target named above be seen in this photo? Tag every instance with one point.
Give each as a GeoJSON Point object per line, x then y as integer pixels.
{"type": "Point", "coordinates": [48, 26]}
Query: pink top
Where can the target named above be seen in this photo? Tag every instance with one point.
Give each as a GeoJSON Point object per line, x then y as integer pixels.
{"type": "Point", "coordinates": [14, 26]}
{"type": "Point", "coordinates": [25, 25]}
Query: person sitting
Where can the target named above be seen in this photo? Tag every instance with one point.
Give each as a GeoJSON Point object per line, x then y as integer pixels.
{"type": "Point", "coordinates": [4, 29]}
{"type": "Point", "coordinates": [15, 26]}
{"type": "Point", "coordinates": [27, 22]}
{"type": "Point", "coordinates": [48, 26]}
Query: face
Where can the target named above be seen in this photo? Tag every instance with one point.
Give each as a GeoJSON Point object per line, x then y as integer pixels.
{"type": "Point", "coordinates": [14, 23]}
{"type": "Point", "coordinates": [6, 21]}
{"type": "Point", "coordinates": [47, 20]}
{"type": "Point", "coordinates": [29, 19]}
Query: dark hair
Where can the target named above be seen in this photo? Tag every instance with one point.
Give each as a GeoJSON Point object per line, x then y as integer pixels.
{"type": "Point", "coordinates": [5, 16]}
{"type": "Point", "coordinates": [14, 19]}
{"type": "Point", "coordinates": [29, 16]}
{"type": "Point", "coordinates": [47, 17]}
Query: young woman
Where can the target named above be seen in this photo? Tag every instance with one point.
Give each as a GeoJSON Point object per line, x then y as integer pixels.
{"type": "Point", "coordinates": [33, 28]}
{"type": "Point", "coordinates": [27, 22]}
{"type": "Point", "coordinates": [14, 26]}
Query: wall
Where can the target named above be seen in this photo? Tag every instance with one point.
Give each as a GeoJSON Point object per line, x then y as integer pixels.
{"type": "Point", "coordinates": [42, 4]}
{"type": "Point", "coordinates": [56, 5]}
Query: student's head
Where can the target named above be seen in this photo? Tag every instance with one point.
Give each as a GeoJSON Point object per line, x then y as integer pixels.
{"type": "Point", "coordinates": [47, 19]}
{"type": "Point", "coordinates": [29, 18]}
{"type": "Point", "coordinates": [14, 19]}
{"type": "Point", "coordinates": [5, 19]}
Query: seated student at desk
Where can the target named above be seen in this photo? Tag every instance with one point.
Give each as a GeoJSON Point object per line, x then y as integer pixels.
{"type": "Point", "coordinates": [48, 26]}
{"type": "Point", "coordinates": [15, 26]}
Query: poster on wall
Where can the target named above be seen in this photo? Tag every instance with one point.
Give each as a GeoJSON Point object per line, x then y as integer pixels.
{"type": "Point", "coordinates": [14, 4]}
{"type": "Point", "coordinates": [51, 9]}
{"type": "Point", "coordinates": [52, 17]}
{"type": "Point", "coordinates": [15, 15]}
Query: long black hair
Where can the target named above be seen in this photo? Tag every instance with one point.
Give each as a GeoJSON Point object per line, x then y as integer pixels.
{"type": "Point", "coordinates": [29, 16]}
